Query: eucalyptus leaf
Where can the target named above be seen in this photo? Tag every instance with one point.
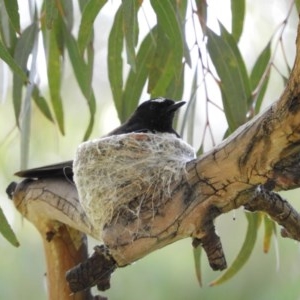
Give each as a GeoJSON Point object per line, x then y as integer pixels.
{"type": "Point", "coordinates": [115, 63]}
{"type": "Point", "coordinates": [6, 57]}
{"type": "Point", "coordinates": [136, 79]}
{"type": "Point", "coordinates": [6, 230]}
{"type": "Point", "coordinates": [270, 230]}
{"type": "Point", "coordinates": [51, 13]}
{"type": "Point", "coordinates": [83, 76]}
{"type": "Point", "coordinates": [41, 103]}
{"type": "Point", "coordinates": [237, 19]}
{"type": "Point", "coordinates": [12, 9]}
{"type": "Point", "coordinates": [260, 66]}
{"type": "Point", "coordinates": [131, 29]}
{"type": "Point", "coordinates": [167, 63]}
{"type": "Point", "coordinates": [235, 85]}
{"type": "Point", "coordinates": [89, 14]}
{"type": "Point", "coordinates": [23, 49]}
{"type": "Point", "coordinates": [197, 261]}
{"type": "Point", "coordinates": [54, 80]}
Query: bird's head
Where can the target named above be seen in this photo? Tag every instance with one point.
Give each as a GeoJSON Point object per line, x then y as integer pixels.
{"type": "Point", "coordinates": [157, 114]}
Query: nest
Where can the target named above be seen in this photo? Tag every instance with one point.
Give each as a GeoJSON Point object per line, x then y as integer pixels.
{"type": "Point", "coordinates": [110, 172]}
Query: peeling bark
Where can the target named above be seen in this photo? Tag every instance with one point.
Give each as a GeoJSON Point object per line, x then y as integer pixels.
{"type": "Point", "coordinates": [263, 152]}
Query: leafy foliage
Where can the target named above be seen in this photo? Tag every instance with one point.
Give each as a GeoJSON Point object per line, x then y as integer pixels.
{"type": "Point", "coordinates": [178, 42]}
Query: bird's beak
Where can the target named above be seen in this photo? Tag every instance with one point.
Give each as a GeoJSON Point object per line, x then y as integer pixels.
{"type": "Point", "coordinates": [175, 106]}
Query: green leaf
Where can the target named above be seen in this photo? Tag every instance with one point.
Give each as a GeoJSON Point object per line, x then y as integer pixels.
{"type": "Point", "coordinates": [260, 76]}
{"type": "Point", "coordinates": [41, 103]}
{"type": "Point", "coordinates": [115, 62]}
{"type": "Point", "coordinates": [237, 19]}
{"type": "Point", "coordinates": [89, 15]}
{"type": "Point", "coordinates": [82, 4]}
{"type": "Point", "coordinates": [12, 9]}
{"type": "Point", "coordinates": [235, 85]}
{"type": "Point", "coordinates": [6, 230]}
{"type": "Point", "coordinates": [22, 51]}
{"type": "Point", "coordinates": [68, 11]}
{"type": "Point", "coordinates": [130, 28]}
{"type": "Point", "coordinates": [260, 66]}
{"type": "Point", "coordinates": [7, 32]}
{"type": "Point", "coordinates": [136, 80]}
{"type": "Point", "coordinates": [270, 230]}
{"type": "Point", "coordinates": [168, 62]}
{"type": "Point", "coordinates": [54, 79]}
{"type": "Point", "coordinates": [245, 252]}
{"type": "Point", "coordinates": [261, 93]}
{"type": "Point", "coordinates": [197, 261]}
{"type": "Point", "coordinates": [51, 13]}
{"type": "Point", "coordinates": [7, 58]}
{"type": "Point", "coordinates": [175, 88]}
{"type": "Point", "coordinates": [83, 74]}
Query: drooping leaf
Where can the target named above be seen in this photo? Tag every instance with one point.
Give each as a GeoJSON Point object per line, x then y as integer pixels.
{"type": "Point", "coordinates": [261, 93]}
{"type": "Point", "coordinates": [175, 88]}
{"type": "Point", "coordinates": [12, 9]}
{"type": "Point", "coordinates": [260, 66]}
{"type": "Point", "coordinates": [6, 230]}
{"type": "Point", "coordinates": [131, 30]}
{"type": "Point", "coordinates": [41, 103]}
{"type": "Point", "coordinates": [6, 57]}
{"type": "Point", "coordinates": [237, 18]}
{"type": "Point", "coordinates": [82, 4]}
{"type": "Point", "coordinates": [8, 35]}
{"type": "Point", "coordinates": [166, 63]}
{"type": "Point", "coordinates": [54, 79]}
{"type": "Point", "coordinates": [238, 57]}
{"type": "Point", "coordinates": [115, 62]}
{"type": "Point", "coordinates": [181, 9]}
{"type": "Point", "coordinates": [68, 12]}
{"type": "Point", "coordinates": [197, 261]}
{"type": "Point", "coordinates": [83, 76]}
{"type": "Point", "coordinates": [270, 230]}
{"type": "Point", "coordinates": [245, 252]}
{"type": "Point", "coordinates": [136, 80]}
{"type": "Point", "coordinates": [235, 85]}
{"type": "Point", "coordinates": [89, 14]}
{"type": "Point", "coordinates": [22, 51]}
{"type": "Point", "coordinates": [50, 12]}
{"type": "Point", "coordinates": [259, 77]}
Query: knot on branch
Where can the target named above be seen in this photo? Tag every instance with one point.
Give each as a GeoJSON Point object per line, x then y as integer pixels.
{"type": "Point", "coordinates": [96, 270]}
{"type": "Point", "coordinates": [278, 209]}
{"type": "Point", "coordinates": [211, 242]}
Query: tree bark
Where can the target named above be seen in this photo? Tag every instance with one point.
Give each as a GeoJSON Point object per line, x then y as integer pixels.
{"type": "Point", "coordinates": [262, 155]}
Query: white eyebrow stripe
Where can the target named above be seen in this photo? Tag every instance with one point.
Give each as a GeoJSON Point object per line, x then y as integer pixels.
{"type": "Point", "coordinates": [159, 100]}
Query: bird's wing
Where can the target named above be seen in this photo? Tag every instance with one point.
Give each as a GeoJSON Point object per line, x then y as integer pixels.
{"type": "Point", "coordinates": [64, 169]}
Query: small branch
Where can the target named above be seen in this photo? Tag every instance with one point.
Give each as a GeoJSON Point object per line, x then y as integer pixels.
{"type": "Point", "coordinates": [278, 209]}
{"type": "Point", "coordinates": [96, 270]}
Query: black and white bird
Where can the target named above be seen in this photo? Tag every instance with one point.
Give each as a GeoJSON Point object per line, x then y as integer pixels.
{"type": "Point", "coordinates": [154, 115]}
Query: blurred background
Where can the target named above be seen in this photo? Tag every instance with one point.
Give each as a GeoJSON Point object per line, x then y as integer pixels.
{"type": "Point", "coordinates": [168, 273]}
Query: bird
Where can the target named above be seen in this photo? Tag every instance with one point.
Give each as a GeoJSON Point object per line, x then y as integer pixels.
{"type": "Point", "coordinates": [155, 115]}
